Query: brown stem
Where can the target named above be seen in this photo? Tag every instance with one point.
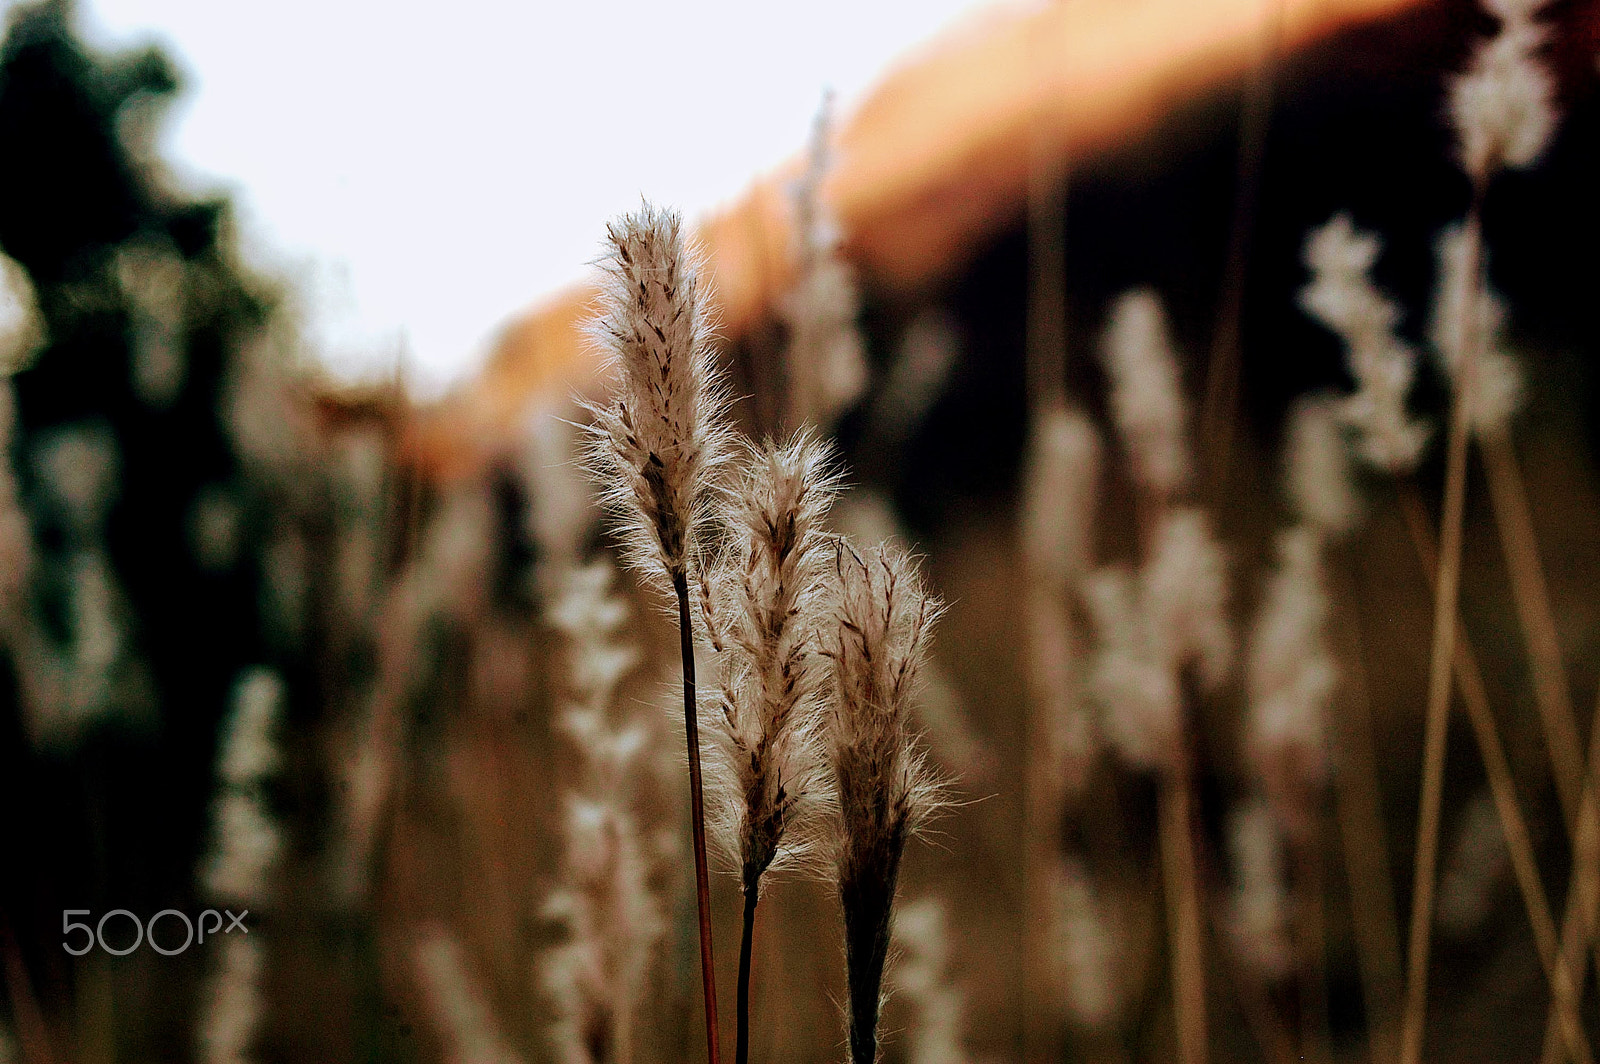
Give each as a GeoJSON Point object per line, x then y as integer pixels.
{"type": "Point", "coordinates": [1358, 802]}
{"type": "Point", "coordinates": [1446, 595]}
{"type": "Point", "coordinates": [1532, 598]}
{"type": "Point", "coordinates": [1518, 842]}
{"type": "Point", "coordinates": [741, 1052]}
{"type": "Point", "coordinates": [1220, 405]}
{"type": "Point", "coordinates": [1583, 894]}
{"type": "Point", "coordinates": [1183, 915]}
{"type": "Point", "coordinates": [1315, 1034]}
{"type": "Point", "coordinates": [697, 812]}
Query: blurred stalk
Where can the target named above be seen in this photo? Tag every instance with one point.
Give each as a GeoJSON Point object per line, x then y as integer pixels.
{"type": "Point", "coordinates": [1220, 404]}
{"type": "Point", "coordinates": [1358, 805]}
{"type": "Point", "coordinates": [1583, 893]}
{"type": "Point", "coordinates": [1180, 876]}
{"type": "Point", "coordinates": [1532, 597]}
{"type": "Point", "coordinates": [1045, 382]}
{"type": "Point", "coordinates": [1447, 588]}
{"type": "Point", "coordinates": [1515, 828]}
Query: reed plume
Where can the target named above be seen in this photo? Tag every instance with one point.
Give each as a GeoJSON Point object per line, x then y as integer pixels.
{"type": "Point", "coordinates": [1147, 400]}
{"type": "Point", "coordinates": [879, 627]}
{"type": "Point", "coordinates": [1341, 295]}
{"type": "Point", "coordinates": [1259, 910]}
{"type": "Point", "coordinates": [246, 844]}
{"type": "Point", "coordinates": [658, 447]}
{"type": "Point", "coordinates": [613, 921]}
{"type": "Point", "coordinates": [1089, 947]}
{"type": "Point", "coordinates": [768, 781]}
{"type": "Point", "coordinates": [1165, 633]}
{"type": "Point", "coordinates": [1061, 479]}
{"type": "Point", "coordinates": [1503, 116]}
{"type": "Point", "coordinates": [455, 1002]}
{"type": "Point", "coordinates": [939, 1008]}
{"type": "Point", "coordinates": [826, 357]}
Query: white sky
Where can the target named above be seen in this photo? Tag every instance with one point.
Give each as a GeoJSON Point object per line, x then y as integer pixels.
{"type": "Point", "coordinates": [424, 171]}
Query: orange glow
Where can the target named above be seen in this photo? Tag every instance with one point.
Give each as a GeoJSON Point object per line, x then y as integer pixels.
{"type": "Point", "coordinates": [935, 158]}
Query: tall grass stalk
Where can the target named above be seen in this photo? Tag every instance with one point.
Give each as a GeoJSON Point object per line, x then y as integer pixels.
{"type": "Point", "coordinates": [657, 449]}
{"type": "Point", "coordinates": [1529, 591]}
{"type": "Point", "coordinates": [1583, 893]}
{"type": "Point", "coordinates": [1181, 879]}
{"type": "Point", "coordinates": [1518, 842]}
{"type": "Point", "coordinates": [1358, 807]}
{"type": "Point", "coordinates": [1446, 594]}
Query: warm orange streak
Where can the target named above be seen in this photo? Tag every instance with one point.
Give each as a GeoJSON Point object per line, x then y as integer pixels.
{"type": "Point", "coordinates": [935, 157]}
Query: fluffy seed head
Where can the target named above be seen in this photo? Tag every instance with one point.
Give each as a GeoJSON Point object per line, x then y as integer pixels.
{"type": "Point", "coordinates": [456, 1003]}
{"type": "Point", "coordinates": [1259, 916]}
{"type": "Point", "coordinates": [230, 1010]}
{"type": "Point", "coordinates": [1058, 496]}
{"type": "Point", "coordinates": [1089, 948]}
{"type": "Point", "coordinates": [827, 364]}
{"type": "Point", "coordinates": [1503, 106]}
{"type": "Point", "coordinates": [878, 631]}
{"type": "Point", "coordinates": [1497, 389]}
{"type": "Point", "coordinates": [660, 441]}
{"type": "Point", "coordinates": [1317, 467]}
{"type": "Point", "coordinates": [1146, 393]}
{"type": "Point", "coordinates": [1137, 691]}
{"type": "Point", "coordinates": [1149, 629]}
{"type": "Point", "coordinates": [770, 599]}
{"type": "Point", "coordinates": [1291, 679]}
{"type": "Point", "coordinates": [1341, 296]}
{"type": "Point", "coordinates": [922, 932]}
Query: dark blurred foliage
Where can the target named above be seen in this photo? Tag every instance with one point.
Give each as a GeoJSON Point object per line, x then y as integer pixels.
{"type": "Point", "coordinates": [1355, 123]}
{"type": "Point", "coordinates": [115, 819]}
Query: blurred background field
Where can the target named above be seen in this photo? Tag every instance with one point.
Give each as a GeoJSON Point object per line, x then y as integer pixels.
{"type": "Point", "coordinates": [209, 519]}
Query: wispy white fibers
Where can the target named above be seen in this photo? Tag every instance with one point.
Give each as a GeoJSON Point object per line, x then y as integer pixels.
{"type": "Point", "coordinates": [1341, 295]}
{"type": "Point", "coordinates": [1259, 916]}
{"type": "Point", "coordinates": [1151, 626]}
{"type": "Point", "coordinates": [1059, 491]}
{"type": "Point", "coordinates": [1088, 948]}
{"type": "Point", "coordinates": [879, 628]}
{"type": "Point", "coordinates": [1147, 401]}
{"type": "Point", "coordinates": [1503, 105]}
{"type": "Point", "coordinates": [827, 363]}
{"type": "Point", "coordinates": [923, 975]}
{"type": "Point", "coordinates": [237, 871]}
{"type": "Point", "coordinates": [603, 900]}
{"type": "Point", "coordinates": [456, 1004]}
{"type": "Point", "coordinates": [770, 601]}
{"type": "Point", "coordinates": [1497, 390]}
{"type": "Point", "coordinates": [1290, 678]}
{"type": "Point", "coordinates": [1318, 478]}
{"type": "Point", "coordinates": [660, 439]}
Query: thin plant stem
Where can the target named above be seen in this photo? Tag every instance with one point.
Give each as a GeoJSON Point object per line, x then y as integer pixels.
{"type": "Point", "coordinates": [1219, 407]}
{"type": "Point", "coordinates": [1271, 1035]}
{"type": "Point", "coordinates": [1583, 892]}
{"type": "Point", "coordinates": [1446, 593]}
{"type": "Point", "coordinates": [741, 1052]}
{"type": "Point", "coordinates": [1046, 342]}
{"type": "Point", "coordinates": [1532, 597]}
{"type": "Point", "coordinates": [697, 812]}
{"type": "Point", "coordinates": [1358, 806]}
{"type": "Point", "coordinates": [1501, 785]}
{"type": "Point", "coordinates": [1180, 877]}
{"type": "Point", "coordinates": [1314, 1024]}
